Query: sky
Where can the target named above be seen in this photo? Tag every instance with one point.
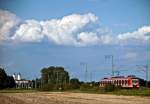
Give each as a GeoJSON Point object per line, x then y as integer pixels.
{"type": "Point", "coordinates": [41, 33]}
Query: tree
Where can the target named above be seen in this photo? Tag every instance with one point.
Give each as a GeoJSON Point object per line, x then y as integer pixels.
{"type": "Point", "coordinates": [10, 82]}
{"type": "Point", "coordinates": [5, 80]}
{"type": "Point", "coordinates": [74, 83]}
{"type": "Point", "coordinates": [44, 75]}
{"type": "Point", "coordinates": [54, 76]}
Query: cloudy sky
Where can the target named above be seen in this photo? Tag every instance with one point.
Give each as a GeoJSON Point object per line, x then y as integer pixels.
{"type": "Point", "coordinates": [36, 34]}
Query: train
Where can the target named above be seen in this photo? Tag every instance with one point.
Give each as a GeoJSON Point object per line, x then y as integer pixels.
{"type": "Point", "coordinates": [122, 81]}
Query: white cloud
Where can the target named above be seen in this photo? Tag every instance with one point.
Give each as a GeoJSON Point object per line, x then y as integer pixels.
{"type": "Point", "coordinates": [68, 30]}
{"type": "Point", "coordinates": [87, 38]}
{"type": "Point", "coordinates": [60, 31]}
{"type": "Point", "coordinates": [64, 31]}
{"type": "Point", "coordinates": [30, 31]}
{"type": "Point", "coordinates": [107, 39]}
{"type": "Point", "coordinates": [7, 22]}
{"type": "Point", "coordinates": [142, 35]}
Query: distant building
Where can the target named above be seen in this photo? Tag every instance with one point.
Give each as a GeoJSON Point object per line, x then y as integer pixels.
{"type": "Point", "coordinates": [22, 83]}
{"type": "Point", "coordinates": [19, 76]}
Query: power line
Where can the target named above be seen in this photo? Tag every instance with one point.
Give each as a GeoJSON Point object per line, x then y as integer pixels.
{"type": "Point", "coordinates": [86, 70]}
{"type": "Point", "coordinates": [144, 68]}
{"type": "Point", "coordinates": [91, 76]}
{"type": "Point", "coordinates": [112, 62]}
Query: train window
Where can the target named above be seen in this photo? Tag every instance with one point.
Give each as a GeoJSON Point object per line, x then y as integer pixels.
{"type": "Point", "coordinates": [122, 81]}
{"type": "Point", "coordinates": [119, 82]}
{"type": "Point", "coordinates": [125, 81]}
{"type": "Point", "coordinates": [115, 82]}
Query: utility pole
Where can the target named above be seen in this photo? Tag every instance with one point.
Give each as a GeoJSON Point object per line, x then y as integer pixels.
{"type": "Point", "coordinates": [86, 71]}
{"type": "Point", "coordinates": [57, 83]}
{"type": "Point", "coordinates": [112, 62]}
{"type": "Point", "coordinates": [67, 68]}
{"type": "Point", "coordinates": [118, 71]}
{"type": "Point", "coordinates": [91, 76]}
{"type": "Point", "coordinates": [144, 68]}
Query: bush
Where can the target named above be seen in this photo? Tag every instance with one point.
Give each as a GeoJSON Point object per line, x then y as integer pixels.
{"type": "Point", "coordinates": [85, 87]}
{"type": "Point", "coordinates": [47, 87]}
{"type": "Point", "coordinates": [74, 86]}
{"type": "Point", "coordinates": [91, 89]}
{"type": "Point", "coordinates": [109, 88]}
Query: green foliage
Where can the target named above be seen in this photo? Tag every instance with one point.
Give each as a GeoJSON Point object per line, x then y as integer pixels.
{"type": "Point", "coordinates": [55, 76]}
{"type": "Point", "coordinates": [6, 81]}
{"type": "Point", "coordinates": [133, 92]}
{"type": "Point", "coordinates": [14, 90]}
{"type": "Point", "coordinates": [74, 83]}
{"type": "Point", "coordinates": [85, 87]}
{"type": "Point", "coordinates": [91, 89]}
{"type": "Point", "coordinates": [109, 88]}
{"type": "Point", "coordinates": [47, 87]}
{"type": "Point", "coordinates": [10, 82]}
{"type": "Point", "coordinates": [88, 88]}
{"type": "Point", "coordinates": [3, 78]}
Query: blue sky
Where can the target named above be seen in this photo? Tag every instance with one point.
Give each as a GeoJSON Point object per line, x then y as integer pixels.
{"type": "Point", "coordinates": [40, 35]}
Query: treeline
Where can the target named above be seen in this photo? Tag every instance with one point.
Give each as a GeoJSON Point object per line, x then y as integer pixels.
{"type": "Point", "coordinates": [5, 80]}
{"type": "Point", "coordinates": [57, 78]}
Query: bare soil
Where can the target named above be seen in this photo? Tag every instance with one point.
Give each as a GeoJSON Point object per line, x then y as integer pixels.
{"type": "Point", "coordinates": [69, 98]}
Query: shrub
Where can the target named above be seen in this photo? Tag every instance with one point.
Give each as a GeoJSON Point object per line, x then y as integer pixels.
{"type": "Point", "coordinates": [85, 87]}
{"type": "Point", "coordinates": [91, 89]}
{"type": "Point", "coordinates": [109, 88]}
{"type": "Point", "coordinates": [47, 87]}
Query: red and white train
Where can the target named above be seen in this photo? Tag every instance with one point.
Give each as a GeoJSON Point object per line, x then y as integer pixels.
{"type": "Point", "coordinates": [125, 82]}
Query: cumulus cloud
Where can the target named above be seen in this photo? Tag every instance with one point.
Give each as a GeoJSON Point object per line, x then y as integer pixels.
{"type": "Point", "coordinates": [29, 31]}
{"type": "Point", "coordinates": [64, 31]}
{"type": "Point", "coordinates": [8, 21]}
{"type": "Point", "coordinates": [142, 35]}
{"type": "Point", "coordinates": [68, 30]}
{"type": "Point", "coordinates": [87, 38]}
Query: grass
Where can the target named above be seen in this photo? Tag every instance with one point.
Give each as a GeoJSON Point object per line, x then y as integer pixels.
{"type": "Point", "coordinates": [127, 92]}
{"type": "Point", "coordinates": [133, 92]}
{"type": "Point", "coordinates": [96, 90]}
{"type": "Point", "coordinates": [17, 91]}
